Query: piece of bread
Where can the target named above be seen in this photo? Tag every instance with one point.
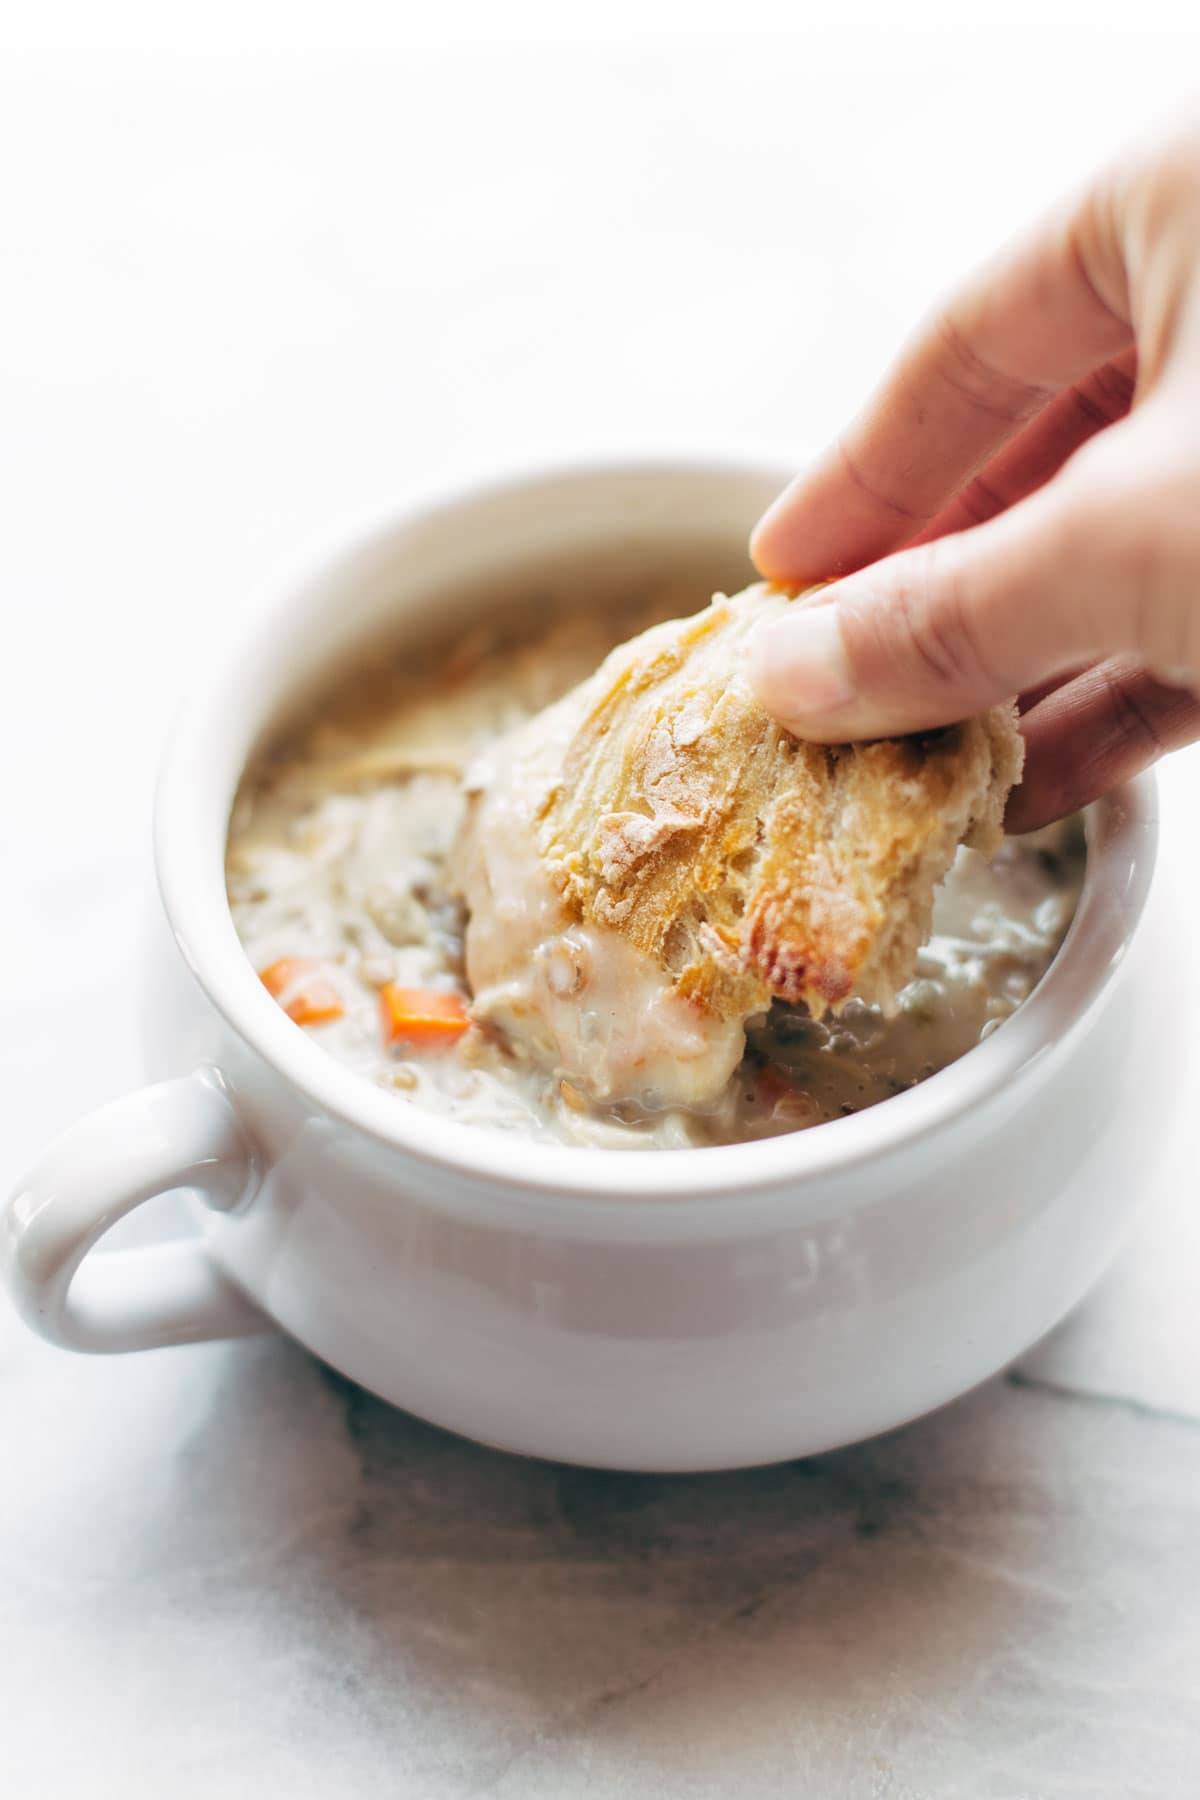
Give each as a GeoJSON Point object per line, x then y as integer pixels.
{"type": "Point", "coordinates": [663, 804]}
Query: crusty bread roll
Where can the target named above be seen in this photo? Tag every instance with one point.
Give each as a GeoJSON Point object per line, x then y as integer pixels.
{"type": "Point", "coordinates": [658, 804]}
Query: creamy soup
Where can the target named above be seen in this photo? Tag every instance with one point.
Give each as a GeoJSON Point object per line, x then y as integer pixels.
{"type": "Point", "coordinates": [338, 883]}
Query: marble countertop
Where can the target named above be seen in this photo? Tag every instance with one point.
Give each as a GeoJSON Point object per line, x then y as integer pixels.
{"type": "Point", "coordinates": [279, 291]}
{"type": "Point", "coordinates": [229, 1572]}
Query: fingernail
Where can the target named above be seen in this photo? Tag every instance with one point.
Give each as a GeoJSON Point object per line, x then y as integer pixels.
{"type": "Point", "coordinates": [799, 664]}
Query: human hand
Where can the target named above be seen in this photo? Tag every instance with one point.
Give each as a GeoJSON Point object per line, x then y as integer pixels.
{"type": "Point", "coordinates": [1037, 448]}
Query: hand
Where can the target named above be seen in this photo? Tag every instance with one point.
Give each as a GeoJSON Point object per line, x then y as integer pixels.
{"type": "Point", "coordinates": [1037, 447]}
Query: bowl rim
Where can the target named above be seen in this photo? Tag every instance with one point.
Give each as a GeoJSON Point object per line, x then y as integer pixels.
{"type": "Point", "coordinates": [1122, 845]}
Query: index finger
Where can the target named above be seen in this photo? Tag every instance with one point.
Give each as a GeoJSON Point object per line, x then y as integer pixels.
{"type": "Point", "coordinates": [1045, 313]}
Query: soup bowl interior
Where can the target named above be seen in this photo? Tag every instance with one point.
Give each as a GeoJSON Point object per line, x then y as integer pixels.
{"type": "Point", "coordinates": [427, 578]}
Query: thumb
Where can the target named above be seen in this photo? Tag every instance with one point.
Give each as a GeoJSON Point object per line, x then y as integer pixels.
{"type": "Point", "coordinates": [1091, 565]}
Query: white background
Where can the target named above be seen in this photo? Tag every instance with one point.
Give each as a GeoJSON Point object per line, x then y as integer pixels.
{"type": "Point", "coordinates": [269, 274]}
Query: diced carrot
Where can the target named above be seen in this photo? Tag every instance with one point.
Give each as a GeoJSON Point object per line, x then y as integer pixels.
{"type": "Point", "coordinates": [426, 1016]}
{"type": "Point", "coordinates": [315, 1004]}
{"type": "Point", "coordinates": [306, 996]}
{"type": "Point", "coordinates": [278, 976]}
{"type": "Point", "coordinates": [773, 1085]}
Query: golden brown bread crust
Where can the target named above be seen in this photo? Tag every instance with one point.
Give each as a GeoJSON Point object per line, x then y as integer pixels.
{"type": "Point", "coordinates": [750, 865]}
{"type": "Point", "coordinates": [855, 842]}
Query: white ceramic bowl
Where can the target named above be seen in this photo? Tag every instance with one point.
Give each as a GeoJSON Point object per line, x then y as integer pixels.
{"type": "Point", "coordinates": [647, 1310]}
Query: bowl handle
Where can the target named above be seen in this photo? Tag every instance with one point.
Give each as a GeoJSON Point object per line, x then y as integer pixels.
{"type": "Point", "coordinates": [178, 1134]}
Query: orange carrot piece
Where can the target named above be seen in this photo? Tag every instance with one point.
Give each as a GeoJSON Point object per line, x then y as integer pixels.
{"type": "Point", "coordinates": [316, 1004]}
{"type": "Point", "coordinates": [773, 1085]}
{"type": "Point", "coordinates": [306, 996]}
{"type": "Point", "coordinates": [278, 976]}
{"type": "Point", "coordinates": [422, 1016]}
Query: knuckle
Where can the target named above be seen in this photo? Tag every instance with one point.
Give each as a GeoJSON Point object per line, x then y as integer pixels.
{"type": "Point", "coordinates": [856, 473]}
{"type": "Point", "coordinates": [982, 500]}
{"type": "Point", "coordinates": [1132, 726]}
{"type": "Point", "coordinates": [987, 387]}
{"type": "Point", "coordinates": [1114, 385]}
{"type": "Point", "coordinates": [920, 629]}
{"type": "Point", "coordinates": [1106, 395]}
